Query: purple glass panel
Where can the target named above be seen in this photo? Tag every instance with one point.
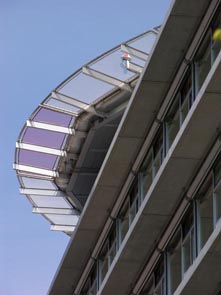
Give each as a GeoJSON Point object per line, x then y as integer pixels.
{"type": "Point", "coordinates": [36, 159]}
{"type": "Point", "coordinates": [52, 117]}
{"type": "Point", "coordinates": [43, 137]}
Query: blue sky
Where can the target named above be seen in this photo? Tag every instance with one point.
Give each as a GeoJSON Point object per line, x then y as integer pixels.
{"type": "Point", "coordinates": [43, 42]}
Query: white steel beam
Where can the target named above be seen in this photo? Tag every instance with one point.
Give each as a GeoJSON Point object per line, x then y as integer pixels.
{"type": "Point", "coordinates": [42, 192]}
{"type": "Point", "coordinates": [56, 211]}
{"type": "Point", "coordinates": [58, 109]}
{"type": "Point", "coordinates": [135, 52]}
{"type": "Point", "coordinates": [50, 127]}
{"type": "Point", "coordinates": [41, 149]}
{"type": "Point", "coordinates": [36, 170]}
{"type": "Point", "coordinates": [69, 100]}
{"type": "Point", "coordinates": [106, 78]}
{"type": "Point", "coordinates": [77, 103]}
{"type": "Point", "coordinates": [65, 228]}
{"type": "Point", "coordinates": [134, 68]}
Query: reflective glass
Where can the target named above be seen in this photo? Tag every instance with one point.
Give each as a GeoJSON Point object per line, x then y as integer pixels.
{"type": "Point", "coordinates": [29, 182]}
{"type": "Point", "coordinates": [61, 105]}
{"type": "Point", "coordinates": [60, 219]}
{"type": "Point", "coordinates": [137, 61]}
{"type": "Point", "coordinates": [172, 123]}
{"type": "Point", "coordinates": [112, 65]}
{"type": "Point", "coordinates": [144, 43]}
{"type": "Point", "coordinates": [205, 209]}
{"type": "Point", "coordinates": [44, 138]}
{"type": "Point", "coordinates": [123, 221]}
{"type": "Point", "coordinates": [36, 159]}
{"type": "Point", "coordinates": [85, 88]}
{"type": "Point", "coordinates": [50, 202]}
{"type": "Point", "coordinates": [52, 117]}
{"type": "Point", "coordinates": [174, 263]}
{"type": "Point", "coordinates": [217, 198]}
{"type": "Point", "coordinates": [202, 63]}
{"type": "Point", "coordinates": [146, 175]}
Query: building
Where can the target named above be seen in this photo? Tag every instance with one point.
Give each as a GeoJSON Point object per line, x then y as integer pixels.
{"type": "Point", "coordinates": [139, 167]}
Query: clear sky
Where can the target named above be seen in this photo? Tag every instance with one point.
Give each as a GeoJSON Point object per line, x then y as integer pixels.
{"type": "Point", "coordinates": [43, 42]}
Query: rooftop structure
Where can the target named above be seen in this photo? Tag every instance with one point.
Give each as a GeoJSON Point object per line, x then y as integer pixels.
{"type": "Point", "coordinates": [151, 216]}
{"type": "Point", "coordinates": [62, 145]}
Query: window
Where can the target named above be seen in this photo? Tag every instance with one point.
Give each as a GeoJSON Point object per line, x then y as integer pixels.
{"type": "Point", "coordinates": [174, 263]}
{"type": "Point", "coordinates": [107, 254]}
{"type": "Point", "coordinates": [202, 62]}
{"type": "Point", "coordinates": [146, 175]}
{"type": "Point", "coordinates": [205, 211]}
{"type": "Point", "coordinates": [188, 241]}
{"type": "Point", "coordinates": [91, 285]}
{"type": "Point", "coordinates": [186, 96]}
{"type": "Point", "coordinates": [179, 109]}
{"type": "Point", "coordinates": [157, 152]}
{"type": "Point", "coordinates": [128, 210]}
{"type": "Point", "coordinates": [217, 190]}
{"type": "Point", "coordinates": [156, 285]}
{"type": "Point", "coordinates": [159, 279]}
{"type": "Point", "coordinates": [172, 122]}
{"type": "Point", "coordinates": [123, 221]}
{"type": "Point", "coordinates": [216, 44]}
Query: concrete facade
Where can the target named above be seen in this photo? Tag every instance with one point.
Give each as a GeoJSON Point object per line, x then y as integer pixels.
{"type": "Point", "coordinates": [152, 221]}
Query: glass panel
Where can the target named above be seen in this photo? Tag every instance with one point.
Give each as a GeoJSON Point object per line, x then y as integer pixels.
{"type": "Point", "coordinates": [91, 285]}
{"type": "Point", "coordinates": [61, 105]}
{"type": "Point", "coordinates": [85, 88]}
{"type": "Point", "coordinates": [144, 43]}
{"type": "Point", "coordinates": [159, 280]}
{"type": "Point", "coordinates": [138, 61]}
{"type": "Point", "coordinates": [188, 242]}
{"type": "Point", "coordinates": [52, 117]}
{"type": "Point", "coordinates": [217, 198]}
{"type": "Point", "coordinates": [44, 138]}
{"type": "Point", "coordinates": [49, 202]}
{"type": "Point", "coordinates": [202, 62]}
{"type": "Point", "coordinates": [205, 209]}
{"type": "Point", "coordinates": [216, 44]}
{"type": "Point", "coordinates": [134, 202]}
{"type": "Point", "coordinates": [148, 288]}
{"type": "Point", "coordinates": [172, 123]}
{"type": "Point", "coordinates": [28, 182]}
{"type": "Point", "coordinates": [174, 263]}
{"type": "Point", "coordinates": [112, 245]}
{"type": "Point", "coordinates": [123, 219]}
{"type": "Point", "coordinates": [146, 176]}
{"type": "Point", "coordinates": [60, 219]}
{"type": "Point", "coordinates": [185, 96]}
{"type": "Point", "coordinates": [158, 153]}
{"type": "Point", "coordinates": [36, 159]}
{"type": "Point", "coordinates": [112, 65]}
{"type": "Point", "coordinates": [217, 172]}
{"type": "Point", "coordinates": [103, 262]}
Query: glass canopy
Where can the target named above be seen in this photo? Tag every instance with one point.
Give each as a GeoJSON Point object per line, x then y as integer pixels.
{"type": "Point", "coordinates": [42, 143]}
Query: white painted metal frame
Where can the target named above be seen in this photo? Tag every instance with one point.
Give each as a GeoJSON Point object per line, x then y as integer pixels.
{"type": "Point", "coordinates": [36, 170]}
{"type": "Point", "coordinates": [64, 102]}
{"type": "Point", "coordinates": [41, 149]}
{"type": "Point", "coordinates": [42, 192]}
{"type": "Point", "coordinates": [50, 127]}
{"type": "Point", "coordinates": [62, 211]}
{"type": "Point", "coordinates": [64, 228]}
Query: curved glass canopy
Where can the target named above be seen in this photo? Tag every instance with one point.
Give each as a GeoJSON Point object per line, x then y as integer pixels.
{"type": "Point", "coordinates": [42, 145]}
